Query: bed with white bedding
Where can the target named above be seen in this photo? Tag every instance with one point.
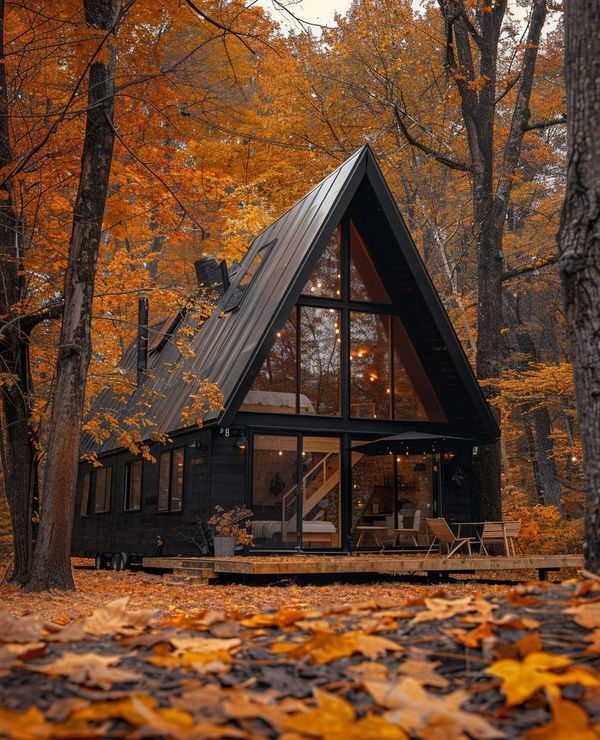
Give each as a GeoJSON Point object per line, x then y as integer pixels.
{"type": "Point", "coordinates": [267, 529]}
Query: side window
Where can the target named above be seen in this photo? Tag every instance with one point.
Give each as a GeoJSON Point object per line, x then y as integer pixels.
{"type": "Point", "coordinates": [177, 479]}
{"type": "Point", "coordinates": [86, 485]}
{"type": "Point", "coordinates": [133, 486]}
{"type": "Point", "coordinates": [170, 480]}
{"type": "Point", "coordinates": [102, 488]}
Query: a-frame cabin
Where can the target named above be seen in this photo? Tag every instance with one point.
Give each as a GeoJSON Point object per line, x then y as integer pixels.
{"type": "Point", "coordinates": [329, 336]}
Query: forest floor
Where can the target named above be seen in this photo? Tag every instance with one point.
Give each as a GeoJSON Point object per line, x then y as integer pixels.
{"type": "Point", "coordinates": [135, 655]}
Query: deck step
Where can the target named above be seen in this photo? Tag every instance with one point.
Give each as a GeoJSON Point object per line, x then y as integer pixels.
{"type": "Point", "coordinates": [200, 576]}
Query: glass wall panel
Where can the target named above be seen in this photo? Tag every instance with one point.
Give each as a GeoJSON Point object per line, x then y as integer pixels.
{"type": "Point", "coordinates": [321, 500]}
{"type": "Point", "coordinates": [365, 283]}
{"type": "Point", "coordinates": [370, 381]}
{"type": "Point", "coordinates": [372, 495]}
{"type": "Point", "coordinates": [320, 344]}
{"type": "Point", "coordinates": [414, 397]}
{"type": "Point", "coordinates": [415, 495]}
{"type": "Point", "coordinates": [274, 390]}
{"type": "Point", "coordinates": [274, 490]}
{"type": "Point", "coordinates": [325, 281]}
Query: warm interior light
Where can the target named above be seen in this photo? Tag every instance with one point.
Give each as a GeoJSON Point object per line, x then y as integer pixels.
{"type": "Point", "coordinates": [574, 458]}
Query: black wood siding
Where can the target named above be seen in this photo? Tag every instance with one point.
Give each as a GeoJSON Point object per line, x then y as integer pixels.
{"type": "Point", "coordinates": [136, 531]}
{"type": "Point", "coordinates": [228, 472]}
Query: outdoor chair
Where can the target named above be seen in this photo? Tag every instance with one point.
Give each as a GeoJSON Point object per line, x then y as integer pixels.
{"type": "Point", "coordinates": [445, 537]}
{"type": "Point", "coordinates": [506, 533]}
{"type": "Point", "coordinates": [412, 532]}
{"type": "Point", "coordinates": [513, 531]}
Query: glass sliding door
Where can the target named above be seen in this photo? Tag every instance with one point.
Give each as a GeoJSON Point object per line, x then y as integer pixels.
{"type": "Point", "coordinates": [321, 492]}
{"type": "Point", "coordinates": [274, 490]}
{"type": "Point", "coordinates": [392, 492]}
{"type": "Point", "coordinates": [416, 490]}
{"type": "Point", "coordinates": [286, 514]}
{"type": "Point", "coordinates": [372, 495]}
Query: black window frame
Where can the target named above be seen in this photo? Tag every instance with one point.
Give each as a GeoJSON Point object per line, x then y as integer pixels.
{"type": "Point", "coordinates": [127, 485]}
{"type": "Point", "coordinates": [107, 494]}
{"type": "Point", "coordinates": [345, 306]}
{"type": "Point", "coordinates": [171, 454]}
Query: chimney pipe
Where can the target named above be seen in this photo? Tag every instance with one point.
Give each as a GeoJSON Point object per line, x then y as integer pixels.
{"type": "Point", "coordinates": [212, 274]}
{"type": "Point", "coordinates": [142, 339]}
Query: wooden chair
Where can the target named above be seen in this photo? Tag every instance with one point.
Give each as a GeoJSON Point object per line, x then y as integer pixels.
{"type": "Point", "coordinates": [506, 533]}
{"type": "Point", "coordinates": [412, 532]}
{"type": "Point", "coordinates": [512, 531]}
{"type": "Point", "coordinates": [444, 536]}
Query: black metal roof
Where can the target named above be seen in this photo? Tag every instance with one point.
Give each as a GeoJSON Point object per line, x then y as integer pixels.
{"type": "Point", "coordinates": [231, 345]}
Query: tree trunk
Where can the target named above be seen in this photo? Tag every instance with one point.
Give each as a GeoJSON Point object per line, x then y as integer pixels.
{"type": "Point", "coordinates": [17, 451]}
{"type": "Point", "coordinates": [52, 557]}
{"type": "Point", "coordinates": [579, 244]}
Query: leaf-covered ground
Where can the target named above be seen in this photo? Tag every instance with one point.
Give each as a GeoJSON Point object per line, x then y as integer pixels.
{"type": "Point", "coordinates": [96, 588]}
{"type": "Point", "coordinates": [433, 665]}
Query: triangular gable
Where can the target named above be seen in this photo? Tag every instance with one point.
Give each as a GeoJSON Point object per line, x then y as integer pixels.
{"type": "Point", "coordinates": [462, 386]}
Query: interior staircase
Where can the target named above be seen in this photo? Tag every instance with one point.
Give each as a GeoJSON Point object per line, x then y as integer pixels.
{"type": "Point", "coordinates": [317, 483]}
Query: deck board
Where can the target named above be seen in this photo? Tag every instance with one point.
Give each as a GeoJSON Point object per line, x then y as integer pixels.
{"type": "Point", "coordinates": [379, 564]}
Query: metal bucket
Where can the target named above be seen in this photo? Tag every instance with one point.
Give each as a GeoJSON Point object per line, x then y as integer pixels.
{"type": "Point", "coordinates": [224, 546]}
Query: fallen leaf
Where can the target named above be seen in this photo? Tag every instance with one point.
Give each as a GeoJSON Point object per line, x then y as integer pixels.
{"type": "Point", "coordinates": [19, 629]}
{"type": "Point", "coordinates": [594, 638]}
{"type": "Point", "coordinates": [473, 638]}
{"type": "Point", "coordinates": [586, 615]}
{"type": "Point", "coordinates": [368, 670]}
{"type": "Point", "coordinates": [64, 708]}
{"type": "Point", "coordinates": [281, 618]}
{"type": "Point", "coordinates": [323, 647]}
{"type": "Point", "coordinates": [441, 609]}
{"type": "Point", "coordinates": [33, 724]}
{"type": "Point", "coordinates": [569, 722]}
{"type": "Point", "coordinates": [414, 708]}
{"type": "Point", "coordinates": [203, 654]}
{"type": "Point", "coordinates": [521, 679]}
{"type": "Point", "coordinates": [424, 671]}
{"type": "Point", "coordinates": [529, 644]}
{"type": "Point", "coordinates": [89, 669]}
{"type": "Point", "coordinates": [335, 719]}
{"type": "Point", "coordinates": [115, 619]}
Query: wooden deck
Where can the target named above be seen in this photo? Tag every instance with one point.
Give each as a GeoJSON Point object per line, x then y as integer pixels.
{"type": "Point", "coordinates": [208, 568]}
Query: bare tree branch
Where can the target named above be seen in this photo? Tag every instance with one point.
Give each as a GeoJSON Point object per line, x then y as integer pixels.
{"type": "Point", "coordinates": [510, 274]}
{"type": "Point", "coordinates": [438, 156]}
{"type": "Point", "coordinates": [546, 124]}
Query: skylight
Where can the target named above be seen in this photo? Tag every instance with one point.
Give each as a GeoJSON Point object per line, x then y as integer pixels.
{"type": "Point", "coordinates": [237, 294]}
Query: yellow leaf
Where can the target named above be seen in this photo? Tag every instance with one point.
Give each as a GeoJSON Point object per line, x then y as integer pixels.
{"type": "Point", "coordinates": [521, 679]}
{"type": "Point", "coordinates": [323, 647]}
{"type": "Point", "coordinates": [335, 719]}
{"type": "Point", "coordinates": [569, 722]}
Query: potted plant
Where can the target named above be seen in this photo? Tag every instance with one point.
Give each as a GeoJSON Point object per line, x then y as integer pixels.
{"type": "Point", "coordinates": [231, 529]}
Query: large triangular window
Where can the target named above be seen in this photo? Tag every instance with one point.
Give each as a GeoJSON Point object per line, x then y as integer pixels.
{"type": "Point", "coordinates": [303, 371]}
